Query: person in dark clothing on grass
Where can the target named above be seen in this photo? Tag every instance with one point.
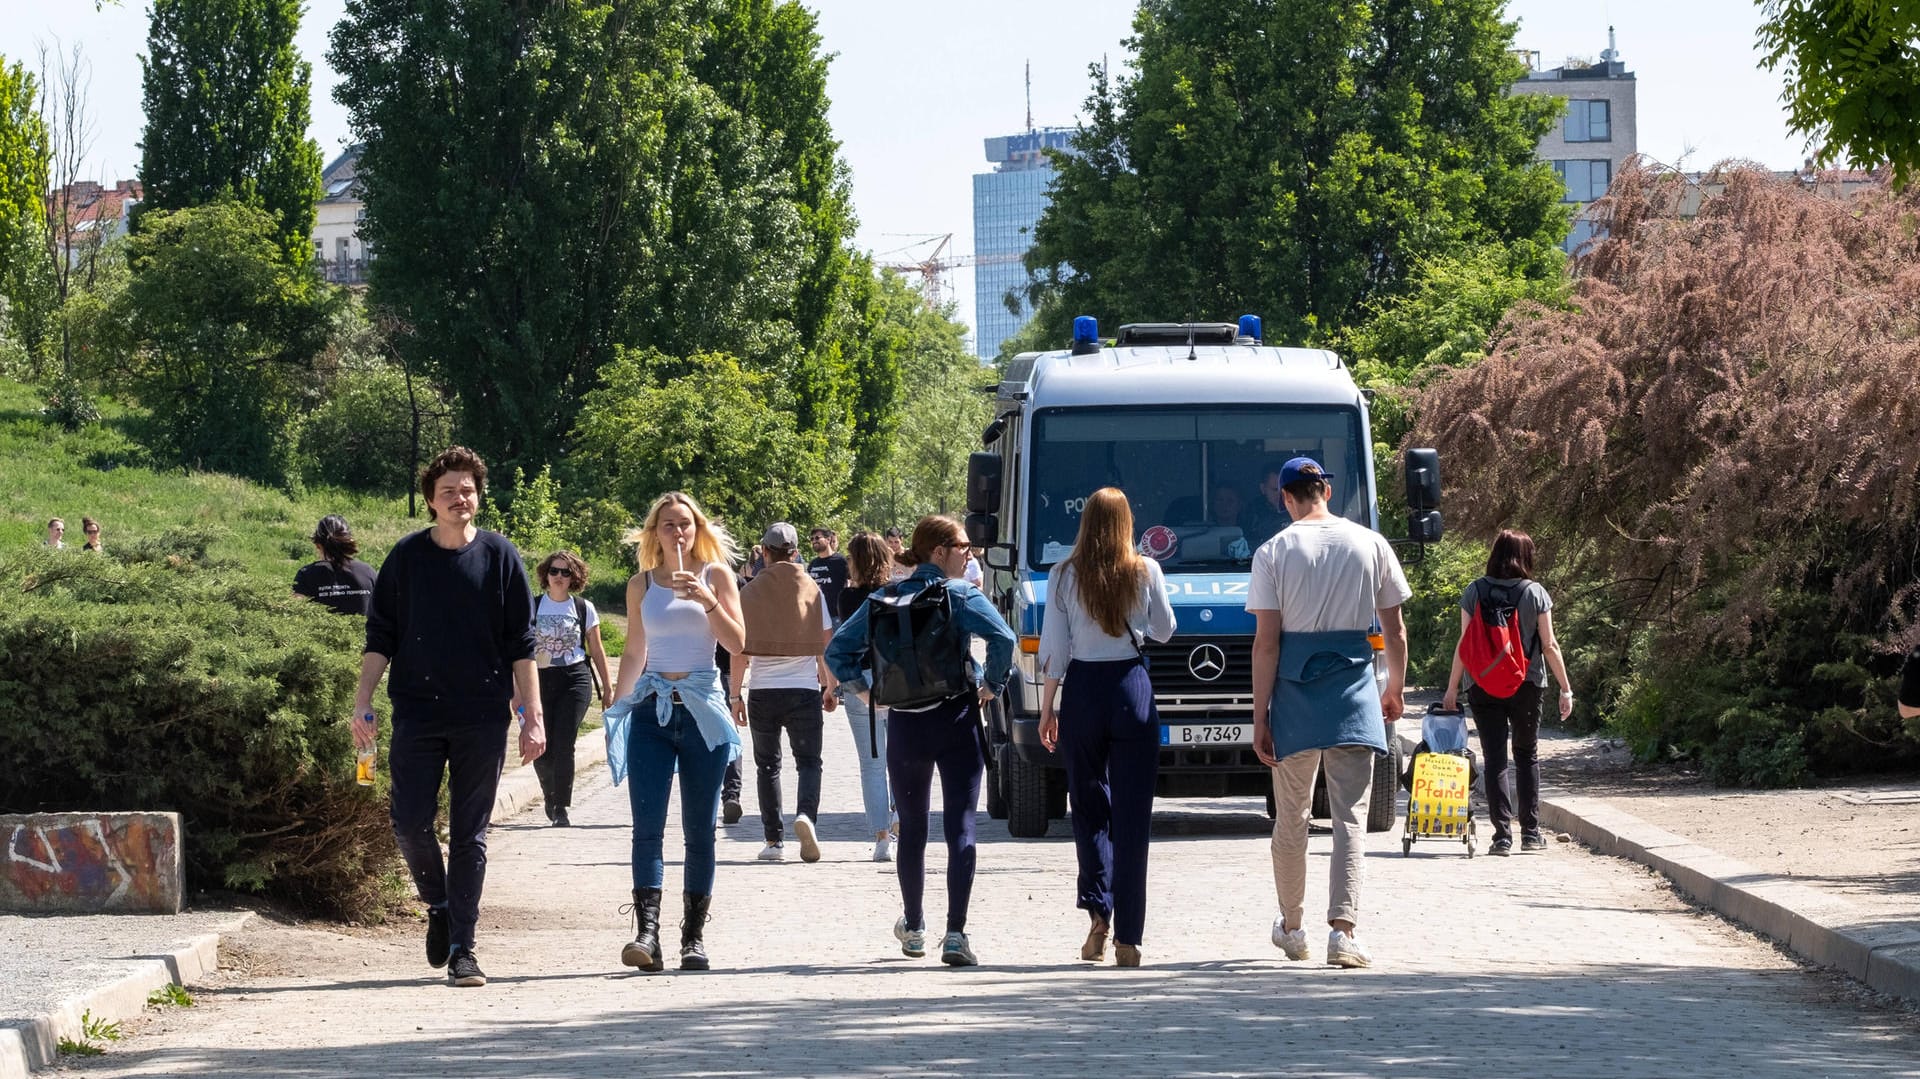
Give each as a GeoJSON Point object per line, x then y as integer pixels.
{"type": "Point", "coordinates": [453, 615]}
{"type": "Point", "coordinates": [336, 579]}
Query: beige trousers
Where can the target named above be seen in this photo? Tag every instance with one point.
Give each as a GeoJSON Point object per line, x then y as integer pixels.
{"type": "Point", "coordinates": [1349, 788]}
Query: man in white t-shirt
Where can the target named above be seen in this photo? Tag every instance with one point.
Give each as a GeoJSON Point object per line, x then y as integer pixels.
{"type": "Point", "coordinates": [1317, 588]}
{"type": "Point", "coordinates": [785, 678]}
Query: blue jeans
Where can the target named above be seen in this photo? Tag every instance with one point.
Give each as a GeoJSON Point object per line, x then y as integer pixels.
{"type": "Point", "coordinates": [653, 752]}
{"type": "Point", "coordinates": [873, 769]}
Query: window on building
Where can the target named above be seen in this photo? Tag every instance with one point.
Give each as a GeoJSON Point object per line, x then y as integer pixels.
{"type": "Point", "coordinates": [1589, 121]}
{"type": "Point", "coordinates": [319, 251]}
{"type": "Point", "coordinates": [1584, 180]}
{"type": "Point", "coordinates": [343, 249]}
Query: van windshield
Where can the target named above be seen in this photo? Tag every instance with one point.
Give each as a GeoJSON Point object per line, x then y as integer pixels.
{"type": "Point", "coordinates": [1197, 478]}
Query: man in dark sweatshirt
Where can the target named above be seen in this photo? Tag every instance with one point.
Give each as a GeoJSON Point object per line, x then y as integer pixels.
{"type": "Point", "coordinates": [453, 614]}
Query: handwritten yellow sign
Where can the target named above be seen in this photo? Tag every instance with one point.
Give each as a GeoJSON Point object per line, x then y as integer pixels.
{"type": "Point", "coordinates": [1438, 802]}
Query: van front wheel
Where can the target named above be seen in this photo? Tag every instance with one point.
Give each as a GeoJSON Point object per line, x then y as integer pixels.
{"type": "Point", "coordinates": [1026, 794]}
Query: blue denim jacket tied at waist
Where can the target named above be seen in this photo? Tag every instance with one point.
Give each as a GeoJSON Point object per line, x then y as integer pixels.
{"type": "Point", "coordinates": [700, 693]}
{"type": "Point", "coordinates": [1324, 694]}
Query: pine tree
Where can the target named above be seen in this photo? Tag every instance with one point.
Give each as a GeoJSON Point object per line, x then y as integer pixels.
{"type": "Point", "coordinates": [226, 97]}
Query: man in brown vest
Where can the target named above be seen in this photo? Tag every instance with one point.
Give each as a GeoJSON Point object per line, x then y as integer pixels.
{"type": "Point", "coordinates": [788, 626]}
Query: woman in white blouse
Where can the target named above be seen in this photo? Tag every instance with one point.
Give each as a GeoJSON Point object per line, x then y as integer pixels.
{"type": "Point", "coordinates": [1102, 601]}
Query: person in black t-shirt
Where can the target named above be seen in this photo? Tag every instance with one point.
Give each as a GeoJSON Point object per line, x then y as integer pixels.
{"type": "Point", "coordinates": [337, 580]}
{"type": "Point", "coordinates": [1910, 685]}
{"type": "Point", "coordinates": [828, 570]}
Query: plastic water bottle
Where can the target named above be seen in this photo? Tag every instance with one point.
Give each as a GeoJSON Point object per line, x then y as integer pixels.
{"type": "Point", "coordinates": [363, 768]}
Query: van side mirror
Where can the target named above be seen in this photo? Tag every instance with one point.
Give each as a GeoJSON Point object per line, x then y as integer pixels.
{"type": "Point", "coordinates": [1424, 526]}
{"type": "Point", "coordinates": [983, 529]}
{"type": "Point", "coordinates": [1423, 480]}
{"type": "Point", "coordinates": [983, 482]}
{"type": "Point", "coordinates": [1000, 556]}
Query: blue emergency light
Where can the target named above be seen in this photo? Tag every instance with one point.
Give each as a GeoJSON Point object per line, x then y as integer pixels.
{"type": "Point", "coordinates": [1250, 327]}
{"type": "Point", "coordinates": [1086, 330]}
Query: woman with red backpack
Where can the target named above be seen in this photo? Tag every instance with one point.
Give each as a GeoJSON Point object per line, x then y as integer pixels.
{"type": "Point", "coordinates": [1506, 645]}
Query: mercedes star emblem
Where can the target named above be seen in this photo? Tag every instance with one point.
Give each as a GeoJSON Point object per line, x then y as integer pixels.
{"type": "Point", "coordinates": [1207, 662]}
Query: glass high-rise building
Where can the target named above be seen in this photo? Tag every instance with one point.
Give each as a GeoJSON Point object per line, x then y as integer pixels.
{"type": "Point", "coordinates": [1007, 203]}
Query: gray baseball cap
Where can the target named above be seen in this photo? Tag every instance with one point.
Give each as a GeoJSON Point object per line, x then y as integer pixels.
{"type": "Point", "coordinates": [780, 534]}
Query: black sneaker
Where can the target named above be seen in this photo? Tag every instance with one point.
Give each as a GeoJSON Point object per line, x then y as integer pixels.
{"type": "Point", "coordinates": [1501, 847]}
{"type": "Point", "coordinates": [438, 936]}
{"type": "Point", "coordinates": [464, 970]}
{"type": "Point", "coordinates": [560, 818]}
{"type": "Point", "coordinates": [1532, 842]}
{"type": "Point", "coordinates": [730, 811]}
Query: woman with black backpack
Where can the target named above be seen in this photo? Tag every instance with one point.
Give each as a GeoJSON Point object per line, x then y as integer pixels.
{"type": "Point", "coordinates": [572, 667]}
{"type": "Point", "coordinates": [1102, 601]}
{"type": "Point", "coordinates": [1508, 598]}
{"type": "Point", "coordinates": [926, 735]}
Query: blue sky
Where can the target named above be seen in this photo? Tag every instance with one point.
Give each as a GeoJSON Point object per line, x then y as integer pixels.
{"type": "Point", "coordinates": [917, 84]}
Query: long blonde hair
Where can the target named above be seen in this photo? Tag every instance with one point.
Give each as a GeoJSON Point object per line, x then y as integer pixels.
{"type": "Point", "coordinates": [1107, 569]}
{"type": "Point", "coordinates": [711, 543]}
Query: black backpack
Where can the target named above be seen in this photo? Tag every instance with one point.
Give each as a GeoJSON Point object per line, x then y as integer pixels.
{"type": "Point", "coordinates": [915, 649]}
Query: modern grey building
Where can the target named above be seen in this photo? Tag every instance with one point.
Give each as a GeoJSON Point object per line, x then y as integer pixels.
{"type": "Point", "coordinates": [1007, 203]}
{"type": "Point", "coordinates": [1599, 131]}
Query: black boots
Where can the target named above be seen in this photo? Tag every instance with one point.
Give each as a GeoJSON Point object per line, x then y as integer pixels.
{"type": "Point", "coordinates": [693, 953]}
{"type": "Point", "coordinates": [643, 950]}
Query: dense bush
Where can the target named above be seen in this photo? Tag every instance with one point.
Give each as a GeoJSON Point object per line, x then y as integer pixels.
{"type": "Point", "coordinates": [1719, 450]}
{"type": "Point", "coordinates": [155, 678]}
{"type": "Point", "coordinates": [361, 438]}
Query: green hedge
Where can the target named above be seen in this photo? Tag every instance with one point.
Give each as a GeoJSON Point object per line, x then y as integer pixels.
{"type": "Point", "coordinates": [154, 678]}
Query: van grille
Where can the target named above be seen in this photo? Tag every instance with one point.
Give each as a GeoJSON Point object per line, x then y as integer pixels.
{"type": "Point", "coordinates": [1174, 679]}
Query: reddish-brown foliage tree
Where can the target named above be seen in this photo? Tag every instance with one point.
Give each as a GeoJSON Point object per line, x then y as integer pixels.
{"type": "Point", "coordinates": [1722, 439]}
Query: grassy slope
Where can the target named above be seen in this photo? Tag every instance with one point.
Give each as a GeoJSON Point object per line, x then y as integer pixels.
{"type": "Point", "coordinates": [46, 472]}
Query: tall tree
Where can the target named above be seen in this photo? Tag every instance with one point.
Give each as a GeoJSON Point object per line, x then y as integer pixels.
{"type": "Point", "coordinates": [764, 59]}
{"type": "Point", "coordinates": [1853, 77]}
{"type": "Point", "coordinates": [1295, 160]}
{"type": "Point", "coordinates": [548, 182]}
{"type": "Point", "coordinates": [23, 193]}
{"type": "Point", "coordinates": [227, 102]}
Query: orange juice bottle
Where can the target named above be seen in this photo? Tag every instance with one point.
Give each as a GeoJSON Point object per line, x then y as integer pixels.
{"type": "Point", "coordinates": [363, 767]}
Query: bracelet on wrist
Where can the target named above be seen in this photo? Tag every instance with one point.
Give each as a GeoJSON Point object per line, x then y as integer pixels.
{"type": "Point", "coordinates": [1566, 693]}
{"type": "Point", "coordinates": [715, 607]}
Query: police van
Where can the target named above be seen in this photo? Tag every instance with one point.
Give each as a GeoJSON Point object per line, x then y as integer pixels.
{"type": "Point", "coordinates": [1191, 421]}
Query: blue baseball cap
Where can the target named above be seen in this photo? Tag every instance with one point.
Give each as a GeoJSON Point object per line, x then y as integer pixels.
{"type": "Point", "coordinates": [1302, 468]}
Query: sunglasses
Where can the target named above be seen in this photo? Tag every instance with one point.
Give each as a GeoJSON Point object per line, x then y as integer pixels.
{"type": "Point", "coordinates": [560, 572]}
{"type": "Point", "coordinates": [961, 546]}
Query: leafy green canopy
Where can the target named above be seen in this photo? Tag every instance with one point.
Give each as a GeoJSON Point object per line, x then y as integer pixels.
{"type": "Point", "coordinates": [227, 100]}
{"type": "Point", "coordinates": [549, 183]}
{"type": "Point", "coordinates": [1853, 77]}
{"type": "Point", "coordinates": [23, 193]}
{"type": "Point", "coordinates": [230, 332]}
{"type": "Point", "coordinates": [1295, 160]}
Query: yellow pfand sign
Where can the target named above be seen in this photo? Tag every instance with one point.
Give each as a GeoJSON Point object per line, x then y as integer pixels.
{"type": "Point", "coordinates": [1438, 802]}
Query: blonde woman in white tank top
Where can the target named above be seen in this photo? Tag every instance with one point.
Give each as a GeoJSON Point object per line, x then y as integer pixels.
{"type": "Point", "coordinates": [680, 605]}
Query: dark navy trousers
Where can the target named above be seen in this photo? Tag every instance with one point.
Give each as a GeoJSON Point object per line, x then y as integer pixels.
{"type": "Point", "coordinates": [943, 738]}
{"type": "Point", "coordinates": [1110, 737]}
{"type": "Point", "coordinates": [464, 741]}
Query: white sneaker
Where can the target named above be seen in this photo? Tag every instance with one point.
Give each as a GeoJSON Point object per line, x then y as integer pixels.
{"type": "Point", "coordinates": [773, 852]}
{"type": "Point", "coordinates": [1344, 951]}
{"type": "Point", "coordinates": [883, 850]}
{"type": "Point", "coordinates": [809, 843]}
{"type": "Point", "coordinates": [1294, 943]}
{"type": "Point", "coordinates": [913, 942]}
{"type": "Point", "coordinates": [956, 951]}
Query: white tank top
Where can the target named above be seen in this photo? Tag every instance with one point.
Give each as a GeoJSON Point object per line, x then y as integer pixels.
{"type": "Point", "coordinates": [679, 637]}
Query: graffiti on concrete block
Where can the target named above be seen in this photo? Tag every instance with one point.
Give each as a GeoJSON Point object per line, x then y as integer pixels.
{"type": "Point", "coordinates": [99, 861]}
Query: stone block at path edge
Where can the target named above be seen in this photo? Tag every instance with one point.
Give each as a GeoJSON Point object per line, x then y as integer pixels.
{"type": "Point", "coordinates": [91, 863]}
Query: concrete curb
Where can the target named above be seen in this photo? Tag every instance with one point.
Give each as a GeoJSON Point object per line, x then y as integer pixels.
{"type": "Point", "coordinates": [1822, 928]}
{"type": "Point", "coordinates": [26, 1044]}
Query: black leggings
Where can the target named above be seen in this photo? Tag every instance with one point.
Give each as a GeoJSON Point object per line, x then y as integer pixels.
{"type": "Point", "coordinates": [943, 738]}
{"type": "Point", "coordinates": [1498, 718]}
{"type": "Point", "coordinates": [565, 693]}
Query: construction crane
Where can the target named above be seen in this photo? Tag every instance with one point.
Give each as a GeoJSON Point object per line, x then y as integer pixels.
{"type": "Point", "coordinates": [934, 271]}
